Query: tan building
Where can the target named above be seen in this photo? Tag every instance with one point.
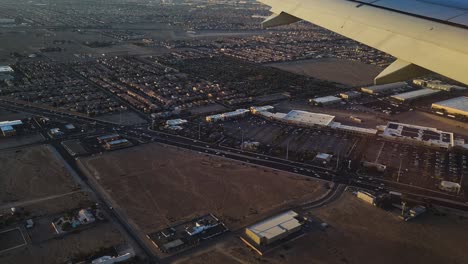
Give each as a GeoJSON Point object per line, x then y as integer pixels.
{"type": "Point", "coordinates": [456, 106]}
{"type": "Point", "coordinates": [274, 228]}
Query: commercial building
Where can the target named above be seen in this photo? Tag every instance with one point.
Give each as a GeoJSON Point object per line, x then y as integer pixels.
{"type": "Point", "coordinates": [7, 127]}
{"type": "Point", "coordinates": [353, 129]}
{"type": "Point", "coordinates": [384, 88]}
{"type": "Point", "coordinates": [408, 96]}
{"type": "Point", "coordinates": [273, 229]}
{"type": "Point", "coordinates": [106, 138]}
{"type": "Point", "coordinates": [456, 106]}
{"type": "Point", "coordinates": [224, 116]}
{"type": "Point", "coordinates": [437, 85]}
{"type": "Point", "coordinates": [257, 109]}
{"type": "Point", "coordinates": [420, 135]}
{"type": "Point", "coordinates": [304, 118]}
{"type": "Point", "coordinates": [176, 122]}
{"type": "Point", "coordinates": [6, 73]}
{"type": "Point", "coordinates": [326, 100]}
{"type": "Point", "coordinates": [350, 95]}
{"type": "Point", "coordinates": [116, 144]}
{"type": "Point", "coordinates": [367, 197]}
{"type": "Point", "coordinates": [8, 131]}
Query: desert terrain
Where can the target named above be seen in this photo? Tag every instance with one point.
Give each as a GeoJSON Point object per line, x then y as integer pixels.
{"type": "Point", "coordinates": [157, 185]}
{"type": "Point", "coordinates": [359, 233]}
{"type": "Point", "coordinates": [33, 173]}
{"type": "Point", "coordinates": [58, 251]}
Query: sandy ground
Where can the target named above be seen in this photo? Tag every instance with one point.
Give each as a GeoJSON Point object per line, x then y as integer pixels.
{"type": "Point", "coordinates": [31, 173]}
{"type": "Point", "coordinates": [59, 250]}
{"type": "Point", "coordinates": [157, 185]}
{"type": "Point", "coordinates": [360, 233]}
{"type": "Point", "coordinates": [350, 73]}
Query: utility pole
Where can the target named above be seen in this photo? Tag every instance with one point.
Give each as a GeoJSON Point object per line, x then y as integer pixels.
{"type": "Point", "coordinates": [399, 170]}
{"type": "Point", "coordinates": [338, 160]}
{"type": "Point", "coordinates": [199, 130]}
{"type": "Point", "coordinates": [461, 182]}
{"type": "Point", "coordinates": [242, 139]}
{"type": "Point", "coordinates": [287, 150]}
{"type": "Point", "coordinates": [120, 115]}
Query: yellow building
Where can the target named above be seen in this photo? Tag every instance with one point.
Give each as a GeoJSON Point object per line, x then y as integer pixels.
{"type": "Point", "coordinates": [456, 106]}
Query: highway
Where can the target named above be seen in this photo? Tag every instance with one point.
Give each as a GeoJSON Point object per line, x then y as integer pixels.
{"type": "Point", "coordinates": [341, 178]}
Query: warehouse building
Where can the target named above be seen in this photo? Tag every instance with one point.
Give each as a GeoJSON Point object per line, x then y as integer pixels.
{"type": "Point", "coordinates": [354, 130]}
{"type": "Point", "coordinates": [350, 95]}
{"type": "Point", "coordinates": [273, 229]}
{"type": "Point", "coordinates": [305, 118]}
{"type": "Point", "coordinates": [455, 106]}
{"type": "Point", "coordinates": [413, 95]}
{"type": "Point", "coordinates": [326, 100]}
{"type": "Point", "coordinates": [257, 109]}
{"type": "Point", "coordinates": [8, 131]}
{"type": "Point", "coordinates": [8, 127]}
{"type": "Point", "coordinates": [6, 73]}
{"type": "Point", "coordinates": [176, 122]}
{"type": "Point", "coordinates": [228, 115]}
{"type": "Point", "coordinates": [384, 88]}
{"type": "Point", "coordinates": [367, 197]}
{"type": "Point", "coordinates": [437, 85]}
{"type": "Point", "coordinates": [117, 144]}
{"type": "Point", "coordinates": [107, 138]}
{"type": "Point", "coordinates": [420, 135]}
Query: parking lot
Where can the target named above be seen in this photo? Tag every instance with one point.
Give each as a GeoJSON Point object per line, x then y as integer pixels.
{"type": "Point", "coordinates": [296, 139]}
{"type": "Point", "coordinates": [420, 166]}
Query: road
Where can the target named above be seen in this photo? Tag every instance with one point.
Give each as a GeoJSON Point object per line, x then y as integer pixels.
{"type": "Point", "coordinates": [341, 178]}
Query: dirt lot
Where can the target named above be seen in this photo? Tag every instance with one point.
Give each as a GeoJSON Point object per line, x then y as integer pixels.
{"type": "Point", "coordinates": [32, 173]}
{"type": "Point", "coordinates": [157, 185]}
{"type": "Point", "coordinates": [350, 73]}
{"type": "Point", "coordinates": [60, 250]}
{"type": "Point", "coordinates": [360, 233]}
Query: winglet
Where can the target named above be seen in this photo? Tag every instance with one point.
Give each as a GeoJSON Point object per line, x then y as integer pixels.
{"type": "Point", "coordinates": [279, 20]}
{"type": "Point", "coordinates": [400, 70]}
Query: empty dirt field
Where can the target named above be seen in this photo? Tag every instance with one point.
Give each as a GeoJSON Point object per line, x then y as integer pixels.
{"type": "Point", "coordinates": [158, 185]}
{"type": "Point", "coordinates": [358, 233]}
{"type": "Point", "coordinates": [32, 173]}
{"type": "Point", "coordinates": [58, 251]}
{"type": "Point", "coordinates": [350, 73]}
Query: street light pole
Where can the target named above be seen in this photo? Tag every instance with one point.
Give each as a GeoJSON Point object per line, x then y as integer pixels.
{"type": "Point", "coordinates": [287, 150]}
{"type": "Point", "coordinates": [242, 141]}
{"type": "Point", "coordinates": [199, 130]}
{"type": "Point", "coordinates": [399, 170]}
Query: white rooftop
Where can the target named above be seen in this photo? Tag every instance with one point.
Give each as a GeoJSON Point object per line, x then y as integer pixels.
{"type": "Point", "coordinates": [419, 133]}
{"type": "Point", "coordinates": [415, 94]}
{"type": "Point", "coordinates": [276, 225]}
{"type": "Point", "coordinates": [308, 118]}
{"type": "Point", "coordinates": [6, 69]}
{"type": "Point", "coordinates": [385, 87]}
{"type": "Point", "coordinates": [326, 99]}
{"type": "Point", "coordinates": [11, 123]}
{"type": "Point", "coordinates": [459, 103]}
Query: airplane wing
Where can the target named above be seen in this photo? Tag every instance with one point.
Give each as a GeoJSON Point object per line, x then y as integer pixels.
{"type": "Point", "coordinates": [424, 35]}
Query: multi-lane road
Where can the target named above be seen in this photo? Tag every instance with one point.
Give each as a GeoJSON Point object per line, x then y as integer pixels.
{"type": "Point", "coordinates": [341, 178]}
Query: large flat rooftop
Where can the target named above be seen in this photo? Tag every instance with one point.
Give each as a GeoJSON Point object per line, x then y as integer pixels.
{"type": "Point", "coordinates": [458, 103]}
{"type": "Point", "coordinates": [276, 225]}
{"type": "Point", "coordinates": [415, 94]}
{"type": "Point", "coordinates": [308, 118]}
